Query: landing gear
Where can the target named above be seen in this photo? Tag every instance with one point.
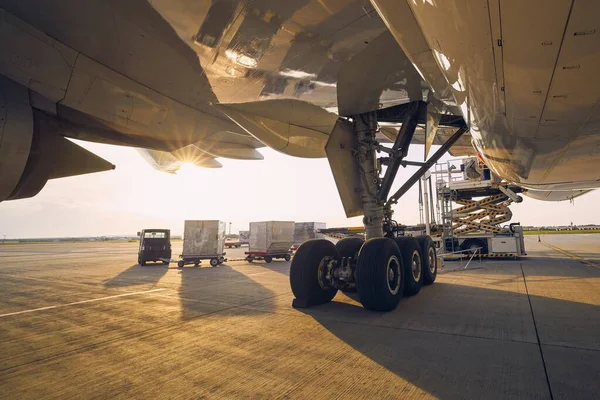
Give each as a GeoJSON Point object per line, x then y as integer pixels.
{"type": "Point", "coordinates": [386, 266]}
{"type": "Point", "coordinates": [308, 273]}
{"type": "Point", "coordinates": [348, 249]}
{"type": "Point", "coordinates": [413, 264]}
{"type": "Point", "coordinates": [429, 258]}
{"type": "Point", "coordinates": [380, 274]}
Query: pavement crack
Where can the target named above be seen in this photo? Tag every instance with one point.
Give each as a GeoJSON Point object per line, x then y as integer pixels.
{"type": "Point", "coordinates": [537, 334]}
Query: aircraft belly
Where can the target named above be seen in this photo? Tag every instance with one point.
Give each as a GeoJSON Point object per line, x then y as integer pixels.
{"type": "Point", "coordinates": [523, 76]}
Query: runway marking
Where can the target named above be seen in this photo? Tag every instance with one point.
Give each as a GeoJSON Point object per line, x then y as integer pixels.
{"type": "Point", "coordinates": [572, 256]}
{"type": "Point", "coordinates": [79, 302]}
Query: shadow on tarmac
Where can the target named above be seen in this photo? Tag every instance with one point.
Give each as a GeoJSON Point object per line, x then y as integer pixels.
{"type": "Point", "coordinates": [483, 337]}
{"type": "Point", "coordinates": [208, 289]}
{"type": "Point", "coordinates": [138, 275]}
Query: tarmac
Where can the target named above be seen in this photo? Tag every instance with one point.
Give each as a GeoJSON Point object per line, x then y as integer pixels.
{"type": "Point", "coordinates": [84, 320]}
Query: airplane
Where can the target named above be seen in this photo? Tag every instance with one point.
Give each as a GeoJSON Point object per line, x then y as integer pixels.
{"type": "Point", "coordinates": [193, 81]}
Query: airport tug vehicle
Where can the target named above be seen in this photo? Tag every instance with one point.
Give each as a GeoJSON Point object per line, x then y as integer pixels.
{"type": "Point", "coordinates": [387, 265]}
{"type": "Point", "coordinates": [155, 245]}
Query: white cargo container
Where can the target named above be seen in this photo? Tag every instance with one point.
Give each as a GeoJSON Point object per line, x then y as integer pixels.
{"type": "Point", "coordinates": [203, 238]}
{"type": "Point", "coordinates": [271, 236]}
{"type": "Point", "coordinates": [304, 231]}
{"type": "Point", "coordinates": [244, 237]}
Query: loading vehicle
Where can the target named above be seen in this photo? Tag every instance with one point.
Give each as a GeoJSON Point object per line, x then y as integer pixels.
{"type": "Point", "coordinates": [232, 241]}
{"type": "Point", "coordinates": [473, 203]}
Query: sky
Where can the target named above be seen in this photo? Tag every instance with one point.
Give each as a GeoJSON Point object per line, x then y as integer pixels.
{"type": "Point", "coordinates": [136, 196]}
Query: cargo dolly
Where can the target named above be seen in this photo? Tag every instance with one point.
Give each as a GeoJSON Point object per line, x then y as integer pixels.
{"type": "Point", "coordinates": [196, 260]}
{"type": "Point", "coordinates": [267, 255]}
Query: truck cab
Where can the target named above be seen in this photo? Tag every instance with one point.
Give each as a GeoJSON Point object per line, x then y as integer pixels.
{"type": "Point", "coordinates": [155, 245]}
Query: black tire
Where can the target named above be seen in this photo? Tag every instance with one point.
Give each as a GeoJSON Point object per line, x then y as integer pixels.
{"type": "Point", "coordinates": [413, 264]}
{"type": "Point", "coordinates": [249, 259]}
{"type": "Point", "coordinates": [429, 257]}
{"type": "Point", "coordinates": [287, 257]}
{"type": "Point", "coordinates": [378, 289]}
{"type": "Point", "coordinates": [349, 247]}
{"type": "Point", "coordinates": [214, 262]}
{"type": "Point", "coordinates": [268, 259]}
{"type": "Point", "coordinates": [165, 263]}
{"type": "Point", "coordinates": [304, 272]}
{"type": "Point", "coordinates": [471, 246]}
{"type": "Point", "coordinates": [143, 262]}
{"type": "Point", "coordinates": [180, 263]}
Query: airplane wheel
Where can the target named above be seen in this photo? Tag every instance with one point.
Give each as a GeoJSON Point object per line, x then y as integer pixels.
{"type": "Point", "coordinates": [429, 257]}
{"type": "Point", "coordinates": [268, 259]}
{"type": "Point", "coordinates": [214, 262]}
{"type": "Point", "coordinates": [287, 257]}
{"type": "Point", "coordinates": [380, 274]}
{"type": "Point", "coordinates": [349, 247]}
{"type": "Point", "coordinates": [413, 264]}
{"type": "Point", "coordinates": [304, 273]}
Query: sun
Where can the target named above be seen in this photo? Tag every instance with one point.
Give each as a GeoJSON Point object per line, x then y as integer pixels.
{"type": "Point", "coordinates": [188, 171]}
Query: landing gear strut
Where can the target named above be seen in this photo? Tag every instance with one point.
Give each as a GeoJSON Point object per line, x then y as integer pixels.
{"type": "Point", "coordinates": [385, 266]}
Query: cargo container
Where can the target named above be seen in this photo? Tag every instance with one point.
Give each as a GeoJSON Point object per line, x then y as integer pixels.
{"type": "Point", "coordinates": [244, 237]}
{"type": "Point", "coordinates": [203, 240]}
{"type": "Point", "coordinates": [269, 240]}
{"type": "Point", "coordinates": [304, 231]}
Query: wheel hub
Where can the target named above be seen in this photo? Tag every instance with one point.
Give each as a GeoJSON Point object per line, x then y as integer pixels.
{"type": "Point", "coordinates": [432, 260]}
{"type": "Point", "coordinates": [324, 272]}
{"type": "Point", "coordinates": [394, 276]}
{"type": "Point", "coordinates": [416, 266]}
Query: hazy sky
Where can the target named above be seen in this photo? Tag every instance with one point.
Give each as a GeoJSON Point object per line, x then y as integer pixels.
{"type": "Point", "coordinates": [136, 196]}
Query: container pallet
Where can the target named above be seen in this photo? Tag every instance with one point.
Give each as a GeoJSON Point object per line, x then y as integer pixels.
{"type": "Point", "coordinates": [215, 260]}
{"type": "Point", "coordinates": [267, 256]}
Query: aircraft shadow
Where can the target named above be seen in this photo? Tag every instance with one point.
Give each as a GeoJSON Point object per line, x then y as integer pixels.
{"type": "Point", "coordinates": [451, 333]}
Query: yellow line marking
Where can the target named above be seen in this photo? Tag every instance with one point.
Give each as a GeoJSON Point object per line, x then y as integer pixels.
{"type": "Point", "coordinates": [572, 256]}
{"type": "Point", "coordinates": [79, 302]}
